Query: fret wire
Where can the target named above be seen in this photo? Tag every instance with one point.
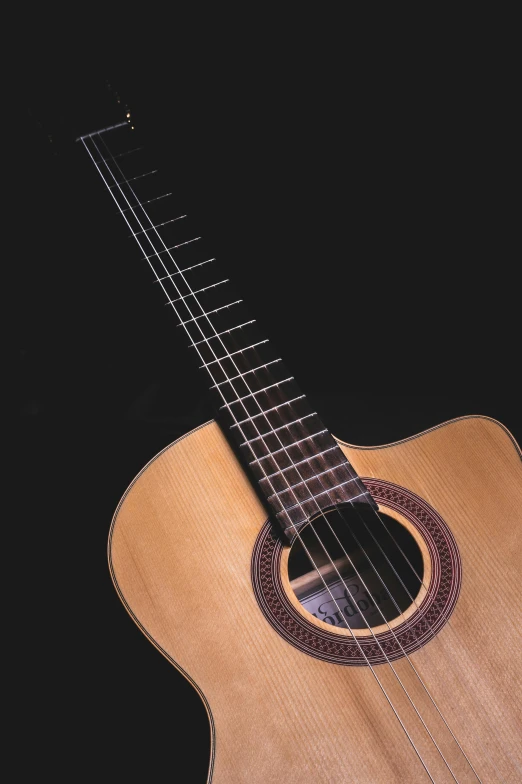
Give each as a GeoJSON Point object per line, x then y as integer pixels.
{"type": "Point", "coordinates": [199, 291]}
{"type": "Point", "coordinates": [120, 155]}
{"type": "Point", "coordinates": [261, 413]}
{"type": "Point", "coordinates": [205, 339]}
{"type": "Point", "coordinates": [338, 607]}
{"type": "Point", "coordinates": [234, 378]}
{"type": "Point", "coordinates": [166, 250]}
{"type": "Point", "coordinates": [187, 269]}
{"type": "Point", "coordinates": [295, 443]}
{"type": "Point", "coordinates": [219, 334]}
{"type": "Point", "coordinates": [275, 429]}
{"type": "Point", "coordinates": [326, 586]}
{"type": "Point", "coordinates": [252, 394]}
{"type": "Point", "coordinates": [158, 226]}
{"type": "Point", "coordinates": [231, 354]}
{"type": "Point", "coordinates": [306, 459]}
{"type": "Point", "coordinates": [313, 496]}
{"type": "Point", "coordinates": [321, 473]}
{"type": "Point", "coordinates": [140, 204]}
{"type": "Point", "coordinates": [131, 179]}
{"type": "Point", "coordinates": [209, 313]}
{"type": "Point", "coordinates": [137, 240]}
{"type": "Point", "coordinates": [258, 392]}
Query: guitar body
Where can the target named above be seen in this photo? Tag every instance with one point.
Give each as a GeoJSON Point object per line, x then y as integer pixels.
{"type": "Point", "coordinates": [181, 556]}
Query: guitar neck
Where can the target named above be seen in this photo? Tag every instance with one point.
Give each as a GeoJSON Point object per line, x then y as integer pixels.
{"type": "Point", "coordinates": [281, 440]}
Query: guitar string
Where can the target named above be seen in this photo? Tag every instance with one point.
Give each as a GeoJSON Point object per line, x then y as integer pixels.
{"type": "Point", "coordinates": [156, 253]}
{"type": "Point", "coordinates": [361, 548]}
{"type": "Point", "coordinates": [433, 634]}
{"type": "Point", "coordinates": [228, 406]}
{"type": "Point", "coordinates": [376, 572]}
{"type": "Point", "coordinates": [401, 613]}
{"type": "Point", "coordinates": [379, 576]}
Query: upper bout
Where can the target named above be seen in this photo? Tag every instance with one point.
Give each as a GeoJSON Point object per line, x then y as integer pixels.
{"type": "Point", "coordinates": [481, 443]}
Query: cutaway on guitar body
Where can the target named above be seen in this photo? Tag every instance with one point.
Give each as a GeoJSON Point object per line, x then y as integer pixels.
{"type": "Point", "coordinates": [216, 588]}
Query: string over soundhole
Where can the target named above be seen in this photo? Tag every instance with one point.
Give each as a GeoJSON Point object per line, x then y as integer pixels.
{"type": "Point", "coordinates": [439, 580]}
{"type": "Point", "coordinates": [366, 570]}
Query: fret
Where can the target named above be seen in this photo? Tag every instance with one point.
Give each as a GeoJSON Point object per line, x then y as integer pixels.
{"type": "Point", "coordinates": [199, 291]}
{"type": "Point", "coordinates": [271, 433]}
{"type": "Point", "coordinates": [296, 462]}
{"type": "Point", "coordinates": [209, 313]}
{"type": "Point", "coordinates": [123, 168]}
{"type": "Point", "coordinates": [119, 155]}
{"type": "Point", "coordinates": [148, 201]}
{"type": "Point", "coordinates": [314, 486]}
{"type": "Point", "coordinates": [204, 312]}
{"type": "Point", "coordinates": [135, 197]}
{"type": "Point", "coordinates": [280, 419]}
{"type": "Point", "coordinates": [124, 171]}
{"type": "Point", "coordinates": [287, 458]}
{"type": "Point", "coordinates": [275, 429]}
{"type": "Point", "coordinates": [266, 422]}
{"type": "Point", "coordinates": [131, 179]}
{"type": "Point", "coordinates": [234, 378]}
{"type": "Point", "coordinates": [350, 489]}
{"type": "Point", "coordinates": [225, 332]}
{"type": "Point", "coordinates": [294, 443]}
{"type": "Point", "coordinates": [158, 226]}
{"type": "Point", "coordinates": [328, 490]}
{"type": "Point", "coordinates": [316, 475]}
{"type": "Point", "coordinates": [268, 411]}
{"type": "Point", "coordinates": [126, 182]}
{"type": "Point", "coordinates": [294, 476]}
{"type": "Point", "coordinates": [164, 209]}
{"type": "Point", "coordinates": [300, 462]}
{"type": "Point", "coordinates": [187, 269]}
{"type": "Point", "coordinates": [232, 353]}
{"type": "Point", "coordinates": [269, 437]}
{"type": "Point", "coordinates": [166, 250]}
{"type": "Point", "coordinates": [250, 406]}
{"type": "Point", "coordinates": [180, 244]}
{"type": "Point", "coordinates": [251, 394]}
{"type": "Point", "coordinates": [176, 249]}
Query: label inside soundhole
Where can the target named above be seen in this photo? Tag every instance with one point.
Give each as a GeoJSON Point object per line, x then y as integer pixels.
{"type": "Point", "coordinates": [366, 569]}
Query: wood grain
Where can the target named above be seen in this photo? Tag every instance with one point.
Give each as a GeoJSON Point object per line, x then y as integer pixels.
{"type": "Point", "coordinates": [180, 555]}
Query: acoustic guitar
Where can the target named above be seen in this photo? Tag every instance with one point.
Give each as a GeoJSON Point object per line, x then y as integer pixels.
{"type": "Point", "coordinates": [369, 648]}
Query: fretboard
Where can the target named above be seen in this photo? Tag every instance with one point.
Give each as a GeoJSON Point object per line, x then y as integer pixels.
{"type": "Point", "coordinates": [281, 440]}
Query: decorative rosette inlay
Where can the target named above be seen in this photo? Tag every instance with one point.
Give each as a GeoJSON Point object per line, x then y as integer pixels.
{"type": "Point", "coordinates": [421, 626]}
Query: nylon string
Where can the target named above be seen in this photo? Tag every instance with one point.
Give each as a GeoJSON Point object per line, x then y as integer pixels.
{"type": "Point", "coordinates": [327, 490]}
{"type": "Point", "coordinates": [304, 481]}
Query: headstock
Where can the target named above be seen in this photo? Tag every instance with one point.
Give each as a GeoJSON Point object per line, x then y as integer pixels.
{"type": "Point", "coordinates": [59, 112]}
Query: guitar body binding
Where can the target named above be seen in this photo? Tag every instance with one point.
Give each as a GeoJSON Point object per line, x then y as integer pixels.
{"type": "Point", "coordinates": [430, 610]}
{"type": "Point", "coordinates": [201, 572]}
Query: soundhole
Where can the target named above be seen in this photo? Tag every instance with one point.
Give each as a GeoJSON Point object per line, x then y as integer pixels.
{"type": "Point", "coordinates": [367, 568]}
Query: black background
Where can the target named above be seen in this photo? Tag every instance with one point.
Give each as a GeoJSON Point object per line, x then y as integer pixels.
{"type": "Point", "coordinates": [361, 200]}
